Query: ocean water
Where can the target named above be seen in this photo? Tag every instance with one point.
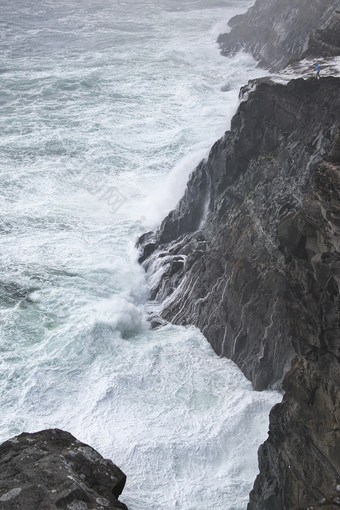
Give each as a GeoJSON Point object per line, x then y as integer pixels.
{"type": "Point", "coordinates": [106, 107]}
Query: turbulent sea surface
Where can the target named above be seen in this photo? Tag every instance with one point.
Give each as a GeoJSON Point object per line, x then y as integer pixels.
{"type": "Point", "coordinates": [106, 107]}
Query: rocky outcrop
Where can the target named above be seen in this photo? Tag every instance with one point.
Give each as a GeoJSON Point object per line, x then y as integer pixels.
{"type": "Point", "coordinates": [51, 470]}
{"type": "Point", "coordinates": [216, 259]}
{"type": "Point", "coordinates": [251, 256]}
{"type": "Point", "coordinates": [325, 42]}
{"type": "Point", "coordinates": [278, 32]}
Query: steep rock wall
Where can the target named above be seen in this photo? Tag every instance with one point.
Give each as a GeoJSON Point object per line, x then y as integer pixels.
{"type": "Point", "coordinates": [300, 461]}
{"type": "Point", "coordinates": [221, 276]}
{"type": "Point", "coordinates": [251, 256]}
{"type": "Point", "coordinates": [325, 42]}
{"type": "Point", "coordinates": [278, 32]}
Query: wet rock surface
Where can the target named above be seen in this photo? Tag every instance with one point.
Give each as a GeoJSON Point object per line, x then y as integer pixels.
{"type": "Point", "coordinates": [325, 42]}
{"type": "Point", "coordinates": [229, 275]}
{"type": "Point", "coordinates": [51, 469]}
{"type": "Point", "coordinates": [331, 502]}
{"type": "Point", "coordinates": [296, 29]}
{"type": "Point", "coordinates": [257, 269]}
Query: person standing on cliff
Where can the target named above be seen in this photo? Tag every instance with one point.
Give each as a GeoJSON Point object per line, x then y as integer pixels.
{"type": "Point", "coordinates": [317, 67]}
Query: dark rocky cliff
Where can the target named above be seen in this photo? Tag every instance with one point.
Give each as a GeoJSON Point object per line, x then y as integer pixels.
{"type": "Point", "coordinates": [251, 256]}
{"type": "Point", "coordinates": [325, 42]}
{"type": "Point", "coordinates": [278, 32]}
{"type": "Point", "coordinates": [300, 462]}
{"type": "Point", "coordinates": [51, 470]}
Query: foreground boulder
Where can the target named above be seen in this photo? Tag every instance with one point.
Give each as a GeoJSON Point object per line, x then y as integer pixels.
{"type": "Point", "coordinates": [51, 470]}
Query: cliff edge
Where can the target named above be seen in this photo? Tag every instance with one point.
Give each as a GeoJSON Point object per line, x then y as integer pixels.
{"type": "Point", "coordinates": [279, 32]}
{"type": "Point", "coordinates": [251, 256]}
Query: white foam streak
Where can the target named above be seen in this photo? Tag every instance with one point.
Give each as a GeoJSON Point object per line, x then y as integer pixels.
{"type": "Point", "coordinates": [161, 196]}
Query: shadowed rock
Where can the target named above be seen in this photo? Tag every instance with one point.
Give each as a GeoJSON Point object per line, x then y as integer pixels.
{"type": "Point", "coordinates": [260, 273]}
{"type": "Point", "coordinates": [278, 32]}
{"type": "Point", "coordinates": [230, 277]}
{"type": "Point", "coordinates": [52, 470]}
{"type": "Point", "coordinates": [325, 42]}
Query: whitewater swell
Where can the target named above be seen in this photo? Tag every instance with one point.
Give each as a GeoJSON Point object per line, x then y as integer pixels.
{"type": "Point", "coordinates": [104, 113]}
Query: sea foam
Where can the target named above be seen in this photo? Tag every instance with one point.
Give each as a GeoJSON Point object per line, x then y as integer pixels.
{"type": "Point", "coordinates": [98, 99]}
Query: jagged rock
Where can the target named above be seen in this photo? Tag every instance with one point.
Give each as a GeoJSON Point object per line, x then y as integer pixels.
{"type": "Point", "coordinates": [51, 470]}
{"type": "Point", "coordinates": [245, 194]}
{"type": "Point", "coordinates": [325, 42]}
{"type": "Point", "coordinates": [279, 32]}
{"type": "Point", "coordinates": [303, 448]}
{"type": "Point", "coordinates": [335, 154]}
{"type": "Point", "coordinates": [331, 502]}
{"type": "Point", "coordinates": [261, 273]}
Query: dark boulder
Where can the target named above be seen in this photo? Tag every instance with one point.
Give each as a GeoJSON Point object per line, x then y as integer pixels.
{"type": "Point", "coordinates": [52, 470]}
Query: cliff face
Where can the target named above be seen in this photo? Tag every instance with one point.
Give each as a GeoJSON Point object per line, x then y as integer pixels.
{"type": "Point", "coordinates": [297, 28]}
{"type": "Point", "coordinates": [51, 470]}
{"type": "Point", "coordinates": [221, 275]}
{"type": "Point", "coordinates": [300, 461]}
{"type": "Point", "coordinates": [325, 42]}
{"type": "Point", "coordinates": [251, 256]}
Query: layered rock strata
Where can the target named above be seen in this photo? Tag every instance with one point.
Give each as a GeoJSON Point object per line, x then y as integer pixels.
{"type": "Point", "coordinates": [300, 461]}
{"type": "Point", "coordinates": [325, 42]}
{"type": "Point", "coordinates": [278, 32]}
{"type": "Point", "coordinates": [217, 259]}
{"type": "Point", "coordinates": [251, 256]}
{"type": "Point", "coordinates": [52, 470]}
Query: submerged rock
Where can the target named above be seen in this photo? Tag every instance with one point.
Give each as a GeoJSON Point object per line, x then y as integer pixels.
{"type": "Point", "coordinates": [51, 469]}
